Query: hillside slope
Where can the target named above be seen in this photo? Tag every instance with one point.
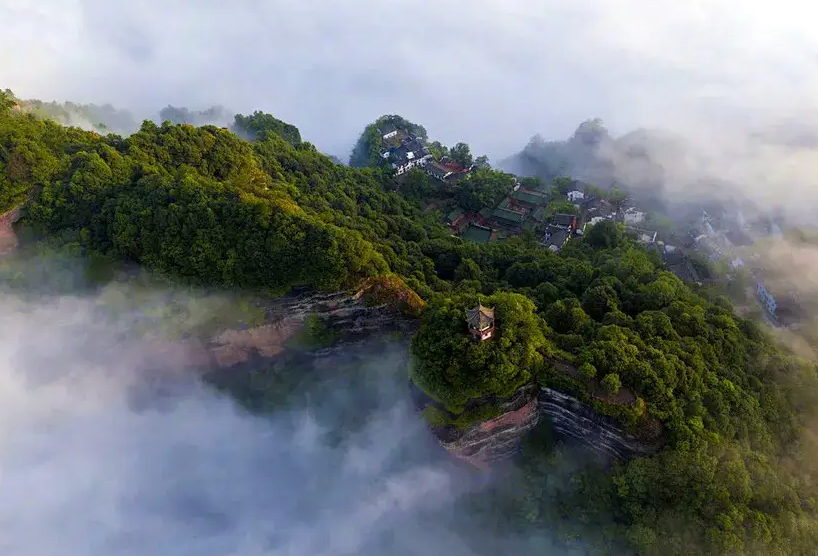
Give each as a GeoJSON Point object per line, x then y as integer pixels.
{"type": "Point", "coordinates": [205, 206]}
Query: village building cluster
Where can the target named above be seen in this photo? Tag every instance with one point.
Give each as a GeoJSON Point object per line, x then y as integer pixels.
{"type": "Point", "coordinates": [528, 209]}
{"type": "Point", "coordinates": [405, 150]}
{"type": "Point", "coordinates": [713, 238]}
{"type": "Point", "coordinates": [720, 234]}
{"type": "Point", "coordinates": [524, 208]}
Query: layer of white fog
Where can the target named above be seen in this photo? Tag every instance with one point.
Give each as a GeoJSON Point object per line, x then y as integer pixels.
{"type": "Point", "coordinates": [103, 453]}
{"type": "Point", "coordinates": [489, 73]}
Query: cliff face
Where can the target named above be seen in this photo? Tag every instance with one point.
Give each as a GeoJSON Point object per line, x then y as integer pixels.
{"type": "Point", "coordinates": [572, 421]}
{"type": "Point", "coordinates": [576, 422]}
{"type": "Point", "coordinates": [8, 238]}
{"type": "Point", "coordinates": [342, 320]}
{"type": "Point", "coordinates": [495, 439]}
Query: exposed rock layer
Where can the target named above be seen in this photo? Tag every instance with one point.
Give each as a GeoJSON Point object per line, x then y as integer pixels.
{"type": "Point", "coordinates": [499, 438]}
{"type": "Point", "coordinates": [575, 421]}
{"type": "Point", "coordinates": [8, 238]}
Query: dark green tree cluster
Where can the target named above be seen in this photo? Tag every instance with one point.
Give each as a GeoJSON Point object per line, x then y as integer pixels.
{"type": "Point", "coordinates": [454, 369]}
{"type": "Point", "coordinates": [33, 152]}
{"type": "Point", "coordinates": [726, 482]}
{"type": "Point", "coordinates": [257, 125]}
{"type": "Point", "coordinates": [483, 188]}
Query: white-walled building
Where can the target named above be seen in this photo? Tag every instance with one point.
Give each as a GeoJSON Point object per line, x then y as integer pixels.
{"type": "Point", "coordinates": [575, 196]}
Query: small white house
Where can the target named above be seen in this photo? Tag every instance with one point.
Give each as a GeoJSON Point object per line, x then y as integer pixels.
{"type": "Point", "coordinates": [575, 196]}
{"type": "Point", "coordinates": [633, 216]}
{"type": "Point", "coordinates": [411, 161]}
{"type": "Point", "coordinates": [390, 134]}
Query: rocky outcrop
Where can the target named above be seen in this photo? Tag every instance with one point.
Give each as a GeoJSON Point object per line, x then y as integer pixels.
{"type": "Point", "coordinates": [498, 438]}
{"type": "Point", "coordinates": [574, 421]}
{"type": "Point", "coordinates": [8, 237]}
{"type": "Point", "coordinates": [346, 317]}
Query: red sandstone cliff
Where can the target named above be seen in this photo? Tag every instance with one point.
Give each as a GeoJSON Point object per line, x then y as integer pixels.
{"type": "Point", "coordinates": [8, 239]}
{"type": "Point", "coordinates": [498, 438]}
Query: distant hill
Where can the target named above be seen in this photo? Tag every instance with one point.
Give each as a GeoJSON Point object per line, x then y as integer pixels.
{"type": "Point", "coordinates": [635, 162]}
{"type": "Point", "coordinates": [215, 115]}
{"type": "Point", "coordinates": [90, 117]}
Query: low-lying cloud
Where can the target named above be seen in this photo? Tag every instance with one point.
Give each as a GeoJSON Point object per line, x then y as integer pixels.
{"type": "Point", "coordinates": [106, 449]}
{"type": "Point", "coordinates": [489, 73]}
{"type": "Point", "coordinates": [96, 459]}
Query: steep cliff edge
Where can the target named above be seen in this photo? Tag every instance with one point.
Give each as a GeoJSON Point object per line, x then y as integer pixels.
{"type": "Point", "coordinates": [331, 320]}
{"type": "Point", "coordinates": [500, 437]}
{"type": "Point", "coordinates": [8, 237]}
{"type": "Point", "coordinates": [574, 421]}
{"type": "Point", "coordinates": [497, 438]}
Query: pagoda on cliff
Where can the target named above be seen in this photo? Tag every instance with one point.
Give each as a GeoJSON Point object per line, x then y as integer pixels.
{"type": "Point", "coordinates": [481, 322]}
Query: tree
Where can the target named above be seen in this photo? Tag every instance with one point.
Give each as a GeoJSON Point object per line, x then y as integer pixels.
{"type": "Point", "coordinates": [256, 126]}
{"type": "Point", "coordinates": [461, 153]}
{"type": "Point", "coordinates": [616, 195]}
{"type": "Point", "coordinates": [560, 207]}
{"type": "Point", "coordinates": [7, 100]}
{"type": "Point", "coordinates": [611, 384]}
{"type": "Point", "coordinates": [483, 188]}
{"type": "Point", "coordinates": [417, 184]}
{"type": "Point", "coordinates": [482, 161]}
{"type": "Point", "coordinates": [438, 150]}
{"type": "Point", "coordinates": [604, 235]}
{"type": "Point", "coordinates": [452, 368]}
{"type": "Point", "coordinates": [598, 301]}
{"type": "Point", "coordinates": [566, 316]}
{"type": "Point", "coordinates": [562, 185]}
{"type": "Point", "coordinates": [467, 270]}
{"type": "Point", "coordinates": [182, 115]}
{"type": "Point", "coordinates": [590, 132]}
{"type": "Point", "coordinates": [587, 370]}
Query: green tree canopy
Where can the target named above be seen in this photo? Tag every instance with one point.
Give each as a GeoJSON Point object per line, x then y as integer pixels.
{"type": "Point", "coordinates": [257, 125]}
{"type": "Point", "coordinates": [453, 368]}
{"type": "Point", "coordinates": [461, 153]}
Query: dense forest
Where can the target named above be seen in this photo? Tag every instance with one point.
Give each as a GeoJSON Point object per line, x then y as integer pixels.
{"type": "Point", "coordinates": [737, 473]}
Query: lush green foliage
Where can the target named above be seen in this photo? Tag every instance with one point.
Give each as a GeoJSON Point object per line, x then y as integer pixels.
{"type": "Point", "coordinates": [737, 473]}
{"type": "Point", "coordinates": [33, 152]}
{"type": "Point", "coordinates": [256, 126]}
{"type": "Point", "coordinates": [454, 369]}
{"type": "Point", "coordinates": [182, 115]}
{"type": "Point", "coordinates": [366, 153]}
{"type": "Point", "coordinates": [483, 188]}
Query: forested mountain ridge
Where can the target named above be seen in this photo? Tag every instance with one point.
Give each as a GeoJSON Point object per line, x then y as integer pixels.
{"type": "Point", "coordinates": [201, 204]}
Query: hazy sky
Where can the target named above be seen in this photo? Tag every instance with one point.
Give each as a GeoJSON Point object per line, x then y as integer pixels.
{"type": "Point", "coordinates": [491, 73]}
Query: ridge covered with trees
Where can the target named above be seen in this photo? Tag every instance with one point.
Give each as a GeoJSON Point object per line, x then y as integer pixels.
{"type": "Point", "coordinates": [737, 474]}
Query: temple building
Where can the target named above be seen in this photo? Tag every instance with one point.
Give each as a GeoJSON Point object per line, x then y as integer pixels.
{"type": "Point", "coordinates": [481, 322]}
